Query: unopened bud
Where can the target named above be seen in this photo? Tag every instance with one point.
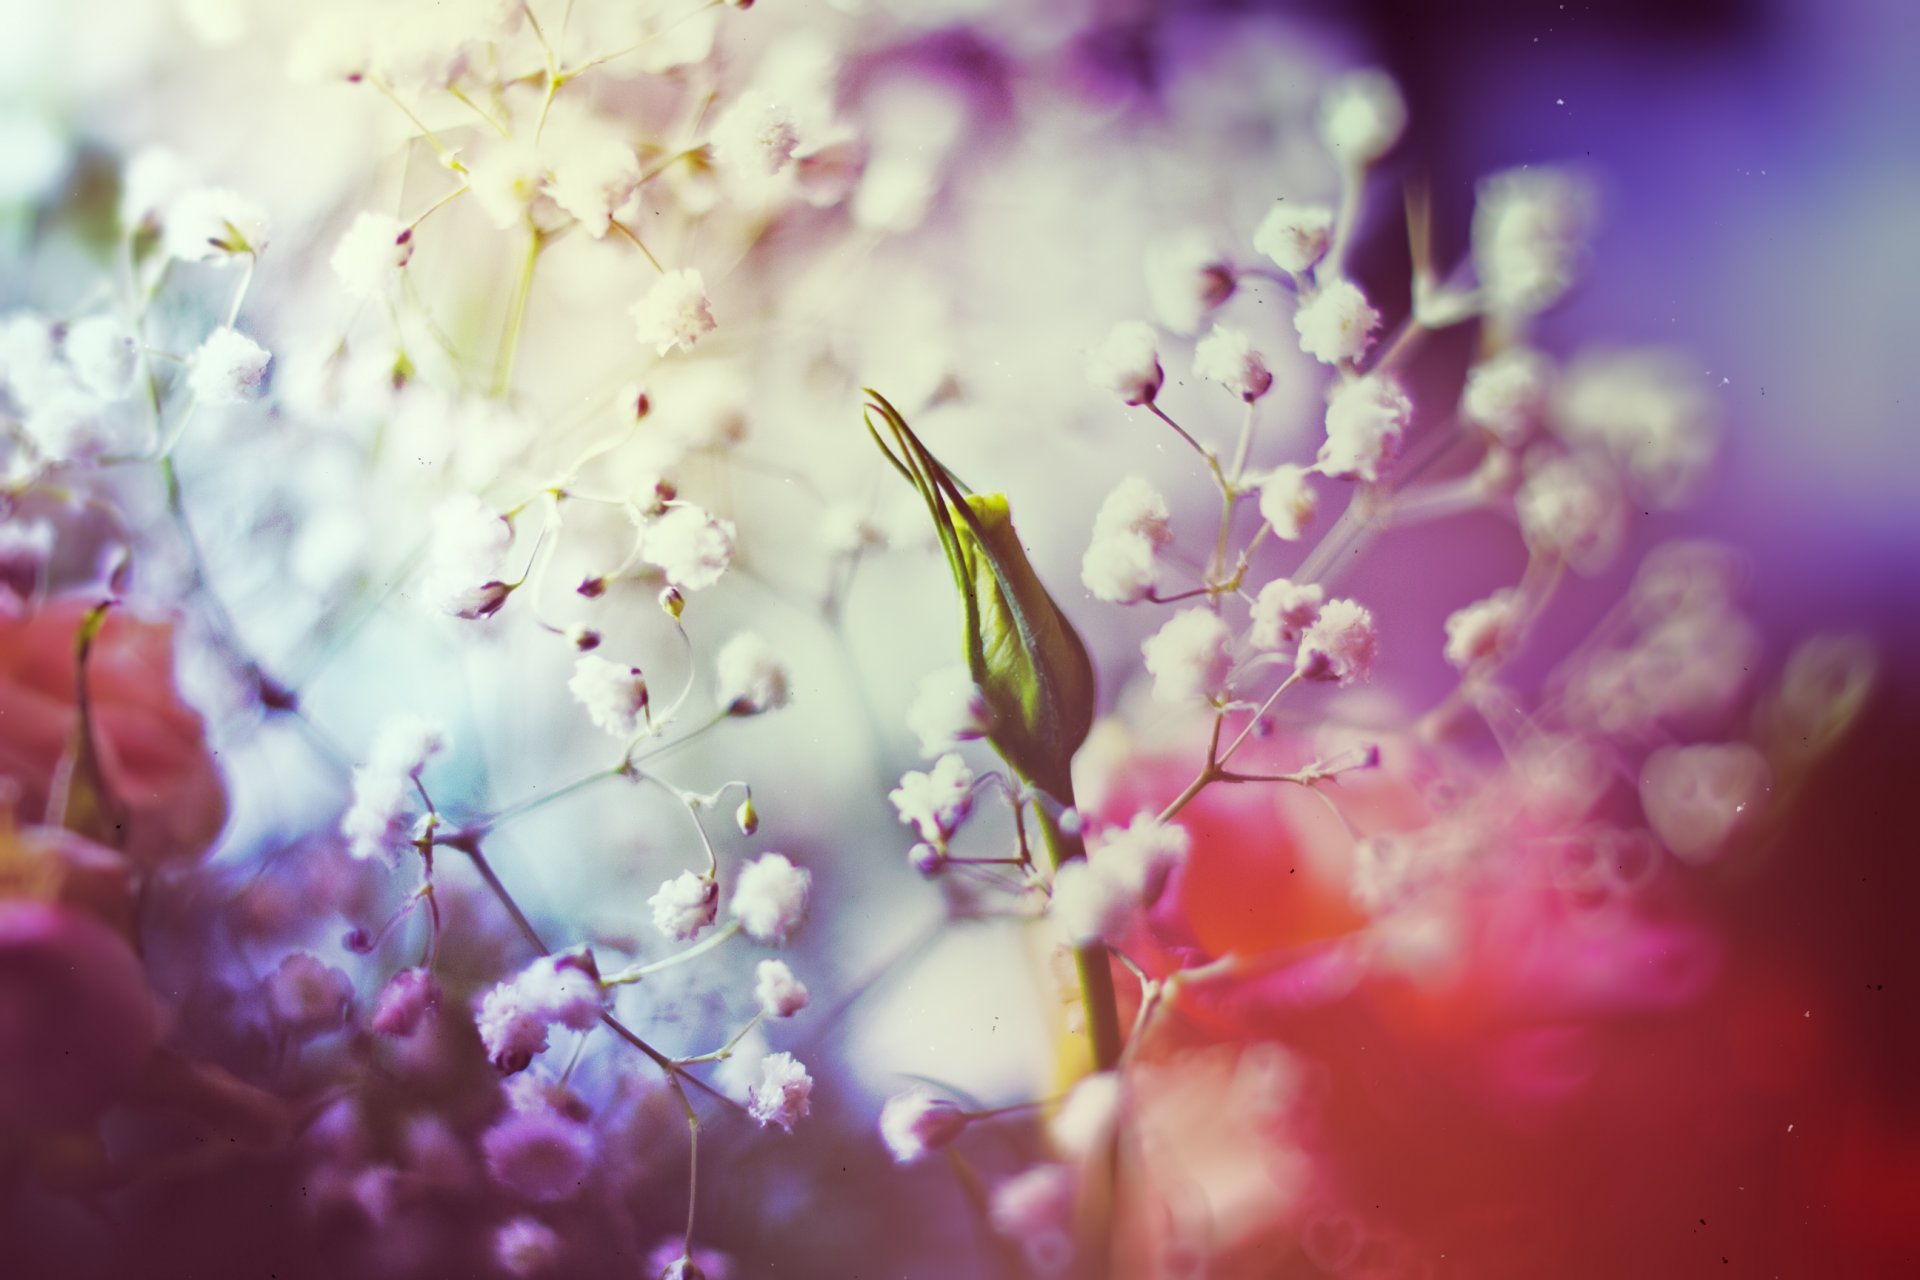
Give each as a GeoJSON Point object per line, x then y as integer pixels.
{"type": "Point", "coordinates": [672, 602]}
{"type": "Point", "coordinates": [585, 639]}
{"type": "Point", "coordinates": [926, 859]}
{"type": "Point", "coordinates": [592, 588]}
{"type": "Point", "coordinates": [747, 818]}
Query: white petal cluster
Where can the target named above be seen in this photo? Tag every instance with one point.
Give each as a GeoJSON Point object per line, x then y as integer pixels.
{"type": "Point", "coordinates": [228, 368]}
{"type": "Point", "coordinates": [1127, 364]}
{"type": "Point", "coordinates": [1283, 611]}
{"type": "Point", "coordinates": [916, 1122]}
{"type": "Point", "coordinates": [514, 1015]}
{"type": "Point", "coordinates": [770, 898]}
{"type": "Point", "coordinates": [1530, 233]}
{"type": "Point", "coordinates": [778, 993]}
{"type": "Point", "coordinates": [1187, 279]}
{"type": "Point", "coordinates": [1287, 501]}
{"type": "Point", "coordinates": [101, 353]}
{"type": "Point", "coordinates": [755, 136]}
{"type": "Point", "coordinates": [783, 1095]}
{"type": "Point", "coordinates": [378, 825]}
{"type": "Point", "coordinates": [1361, 117]}
{"type": "Point", "coordinates": [685, 905]}
{"type": "Point", "coordinates": [372, 253]}
{"type": "Point", "coordinates": [1128, 533]}
{"type": "Point", "coordinates": [1571, 508]}
{"type": "Point", "coordinates": [1697, 797]}
{"type": "Point", "coordinates": [1190, 657]}
{"type": "Point", "coordinates": [205, 223]}
{"type": "Point", "coordinates": [687, 544]}
{"type": "Point", "coordinates": [1340, 646]}
{"type": "Point", "coordinates": [947, 709]}
{"type": "Point", "coordinates": [466, 556]}
{"type": "Point", "coordinates": [1649, 410]}
{"type": "Point", "coordinates": [1295, 236]}
{"type": "Point", "coordinates": [749, 676]}
{"type": "Point", "coordinates": [1336, 323]}
{"type": "Point", "coordinates": [614, 694]}
{"type": "Point", "coordinates": [592, 179]}
{"type": "Point", "coordinates": [936, 802]}
{"type": "Point", "coordinates": [1367, 420]}
{"type": "Point", "coordinates": [1506, 395]}
{"type": "Point", "coordinates": [1101, 898]}
{"type": "Point", "coordinates": [676, 313]}
{"type": "Point", "coordinates": [1227, 356]}
{"type": "Point", "coordinates": [1482, 630]}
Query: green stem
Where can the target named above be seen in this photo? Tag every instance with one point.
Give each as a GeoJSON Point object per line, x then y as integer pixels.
{"type": "Point", "coordinates": [517, 315]}
{"type": "Point", "coordinates": [1090, 962]}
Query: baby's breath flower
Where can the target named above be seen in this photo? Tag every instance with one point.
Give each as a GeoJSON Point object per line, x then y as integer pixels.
{"type": "Point", "coordinates": [675, 314]}
{"type": "Point", "coordinates": [592, 179]}
{"type": "Point", "coordinates": [539, 1153]}
{"type": "Point", "coordinates": [1570, 507]}
{"type": "Point", "coordinates": [1141, 855]}
{"type": "Point", "coordinates": [770, 898]}
{"type": "Point", "coordinates": [1506, 395]}
{"type": "Point", "coordinates": [1190, 657]}
{"type": "Point", "coordinates": [778, 993]}
{"type": "Point", "coordinates": [1530, 233]}
{"type": "Point", "coordinates": [1226, 356]}
{"type": "Point", "coordinates": [1649, 410]}
{"type": "Point", "coordinates": [1187, 279]}
{"type": "Point", "coordinates": [526, 1248]}
{"type": "Point", "coordinates": [935, 803]}
{"type": "Point", "coordinates": [228, 368]}
{"type": "Point", "coordinates": [914, 1123]}
{"type": "Point", "coordinates": [206, 223]}
{"type": "Point", "coordinates": [614, 694]}
{"type": "Point", "coordinates": [1283, 611]}
{"type": "Point", "coordinates": [102, 355]}
{"type": "Point", "coordinates": [689, 546]}
{"type": "Point", "coordinates": [846, 529]}
{"type": "Point", "coordinates": [1129, 530]}
{"type": "Point", "coordinates": [153, 179]}
{"type": "Point", "coordinates": [1127, 364]}
{"type": "Point", "coordinates": [1287, 501]}
{"type": "Point", "coordinates": [947, 709]}
{"type": "Point", "coordinates": [405, 744]}
{"type": "Point", "coordinates": [1361, 116]}
{"type": "Point", "coordinates": [1295, 236]}
{"type": "Point", "coordinates": [1089, 907]}
{"type": "Point", "coordinates": [1696, 797]}
{"type": "Point", "coordinates": [1335, 322]}
{"type": "Point", "coordinates": [685, 905]}
{"type": "Point", "coordinates": [1035, 1210]}
{"type": "Point", "coordinates": [504, 180]}
{"type": "Point", "coordinates": [371, 255]}
{"type": "Point", "coordinates": [1367, 419]}
{"type": "Point", "coordinates": [783, 1094]}
{"type": "Point", "coordinates": [749, 676]}
{"type": "Point", "coordinates": [1480, 631]}
{"type": "Point", "coordinates": [403, 1003]}
{"type": "Point", "coordinates": [514, 1016]}
{"type": "Point", "coordinates": [307, 995]}
{"type": "Point", "coordinates": [755, 136]}
{"type": "Point", "coordinates": [1340, 645]}
{"type": "Point", "coordinates": [465, 557]}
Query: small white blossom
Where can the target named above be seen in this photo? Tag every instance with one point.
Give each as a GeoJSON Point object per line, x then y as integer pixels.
{"type": "Point", "coordinates": [1506, 395]}
{"type": "Point", "coordinates": [1367, 419]}
{"type": "Point", "coordinates": [778, 993]}
{"type": "Point", "coordinates": [1361, 116]}
{"type": "Point", "coordinates": [1119, 569]}
{"type": "Point", "coordinates": [526, 1248]}
{"type": "Point", "coordinates": [592, 179]}
{"type": "Point", "coordinates": [1081, 1128]}
{"type": "Point", "coordinates": [947, 709]}
{"type": "Point", "coordinates": [101, 353]}
{"type": "Point", "coordinates": [1127, 364]}
{"type": "Point", "coordinates": [1570, 507]}
{"type": "Point", "coordinates": [1187, 279]}
{"type": "Point", "coordinates": [1649, 409]}
{"type": "Point", "coordinates": [749, 676]}
{"type": "Point", "coordinates": [378, 825]}
{"type": "Point", "coordinates": [1134, 507]}
{"type": "Point", "coordinates": [846, 529]}
{"type": "Point", "coordinates": [1287, 501]}
{"type": "Point", "coordinates": [614, 694]}
{"type": "Point", "coordinates": [689, 546]}
{"type": "Point", "coordinates": [1226, 356]}
{"type": "Point", "coordinates": [1336, 322]}
{"type": "Point", "coordinates": [783, 1094]}
{"type": "Point", "coordinates": [1141, 855]}
{"type": "Point", "coordinates": [514, 1015]}
{"type": "Point", "coordinates": [405, 744]}
{"type": "Point", "coordinates": [915, 1123]}
{"type": "Point", "coordinates": [1190, 657]}
{"type": "Point", "coordinates": [770, 898]}
{"type": "Point", "coordinates": [675, 314]}
{"type": "Point", "coordinates": [1035, 1210]}
{"type": "Point", "coordinates": [1089, 907]}
{"type": "Point", "coordinates": [153, 179]}
{"type": "Point", "coordinates": [935, 803]}
{"type": "Point", "coordinates": [229, 367]}
{"type": "Point", "coordinates": [685, 905]}
{"type": "Point", "coordinates": [466, 556]}
{"type": "Point", "coordinates": [754, 136]}
{"type": "Point", "coordinates": [1482, 629]}
{"type": "Point", "coordinates": [210, 222]}
{"type": "Point", "coordinates": [308, 995]}
{"type": "Point", "coordinates": [1283, 611]}
{"type": "Point", "coordinates": [1530, 233]}
{"type": "Point", "coordinates": [504, 181]}
{"type": "Point", "coordinates": [371, 255]}
{"type": "Point", "coordinates": [1340, 645]}
{"type": "Point", "coordinates": [1295, 236]}
{"type": "Point", "coordinates": [67, 424]}
{"type": "Point", "coordinates": [1697, 797]}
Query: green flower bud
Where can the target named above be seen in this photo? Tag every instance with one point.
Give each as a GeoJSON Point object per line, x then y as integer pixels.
{"type": "Point", "coordinates": [1023, 653]}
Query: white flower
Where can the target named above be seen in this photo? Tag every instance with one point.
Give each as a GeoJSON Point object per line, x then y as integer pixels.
{"type": "Point", "coordinates": [1226, 356]}
{"type": "Point", "coordinates": [770, 898]}
{"type": "Point", "coordinates": [1295, 236]}
{"type": "Point", "coordinates": [1649, 410]}
{"type": "Point", "coordinates": [228, 368]}
{"type": "Point", "coordinates": [1367, 419]}
{"type": "Point", "coordinates": [1506, 395]}
{"type": "Point", "coordinates": [1085, 1121]}
{"type": "Point", "coordinates": [67, 424]}
{"type": "Point", "coordinates": [1530, 233]}
{"type": "Point", "coordinates": [592, 179]}
{"type": "Point", "coordinates": [846, 529]}
{"type": "Point", "coordinates": [404, 745]}
{"type": "Point", "coordinates": [1119, 569]}
{"type": "Point", "coordinates": [378, 825]}
{"type": "Point", "coordinates": [754, 136]}
{"type": "Point", "coordinates": [685, 905]}
{"type": "Point", "coordinates": [1696, 797]}
{"type": "Point", "coordinates": [1190, 657]}
{"type": "Point", "coordinates": [1035, 1209]}
{"type": "Point", "coordinates": [783, 1094]}
{"type": "Point", "coordinates": [211, 222]}
{"type": "Point", "coordinates": [1187, 278]}
{"type": "Point", "coordinates": [1283, 611]}
{"type": "Point", "coordinates": [935, 803]}
{"type": "Point", "coordinates": [1089, 907]}
{"type": "Point", "coordinates": [465, 557]}
{"type": "Point", "coordinates": [1340, 645]}
{"type": "Point", "coordinates": [1287, 501]}
{"type": "Point", "coordinates": [1141, 855]}
{"type": "Point", "coordinates": [1481, 630]}
{"type": "Point", "coordinates": [504, 181]}
{"type": "Point", "coordinates": [153, 179]}
{"type": "Point", "coordinates": [1571, 507]}
{"type": "Point", "coordinates": [1361, 116]}
{"type": "Point", "coordinates": [915, 1122]}
{"type": "Point", "coordinates": [689, 546]}
{"type": "Point", "coordinates": [947, 709]}
{"type": "Point", "coordinates": [371, 254]}
{"type": "Point", "coordinates": [614, 694]}
{"type": "Point", "coordinates": [749, 677]}
{"type": "Point", "coordinates": [675, 314]}
{"type": "Point", "coordinates": [1134, 507]}
{"type": "Point", "coordinates": [563, 989]}
{"type": "Point", "coordinates": [1336, 322]}
{"type": "Point", "coordinates": [1384, 870]}
{"type": "Point", "coordinates": [102, 355]}
{"type": "Point", "coordinates": [308, 995]}
{"type": "Point", "coordinates": [526, 1247]}
{"type": "Point", "coordinates": [1127, 364]}
{"type": "Point", "coordinates": [778, 993]}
